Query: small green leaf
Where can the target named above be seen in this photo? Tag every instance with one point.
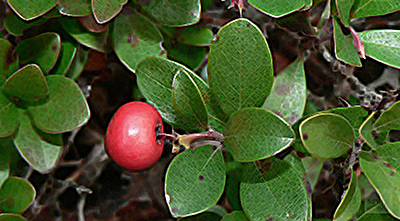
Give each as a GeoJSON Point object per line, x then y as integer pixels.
{"type": "Point", "coordinates": [198, 35]}
{"type": "Point", "coordinates": [187, 99]}
{"type": "Point", "coordinates": [135, 38]}
{"type": "Point", "coordinates": [8, 59]}
{"type": "Point", "coordinates": [254, 133]}
{"type": "Point", "coordinates": [78, 64]}
{"type": "Point", "coordinates": [389, 119]}
{"type": "Point", "coordinates": [65, 107]}
{"type": "Point", "coordinates": [235, 216]}
{"type": "Point", "coordinates": [344, 7]}
{"type": "Point", "coordinates": [195, 181]}
{"type": "Point", "coordinates": [16, 25]}
{"type": "Point", "coordinates": [105, 10]}
{"type": "Point", "coordinates": [28, 9]}
{"type": "Point", "coordinates": [327, 135]}
{"type": "Point", "coordinates": [278, 8]}
{"type": "Point", "coordinates": [11, 217]}
{"type": "Point", "coordinates": [171, 12]}
{"type": "Point", "coordinates": [214, 213]}
{"type": "Point", "coordinates": [8, 116]}
{"type": "Point", "coordinates": [377, 213]}
{"type": "Point", "coordinates": [351, 201]}
{"type": "Point", "coordinates": [5, 144]}
{"type": "Point", "coordinates": [240, 66]}
{"type": "Point", "coordinates": [189, 55]}
{"type": "Point", "coordinates": [382, 168]}
{"type": "Point", "coordinates": [67, 54]}
{"type": "Point", "coordinates": [45, 53]}
{"type": "Point", "coordinates": [366, 131]}
{"type": "Point", "coordinates": [354, 114]}
{"type": "Point", "coordinates": [288, 94]}
{"type": "Point", "coordinates": [16, 195]}
{"type": "Point", "coordinates": [383, 45]}
{"type": "Point", "coordinates": [74, 8]}
{"type": "Point", "coordinates": [28, 83]}
{"type": "Point", "coordinates": [39, 149]}
{"type": "Point", "coordinates": [344, 47]}
{"type": "Point", "coordinates": [366, 8]}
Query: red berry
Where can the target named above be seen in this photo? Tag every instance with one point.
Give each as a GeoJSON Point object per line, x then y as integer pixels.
{"type": "Point", "coordinates": [131, 139]}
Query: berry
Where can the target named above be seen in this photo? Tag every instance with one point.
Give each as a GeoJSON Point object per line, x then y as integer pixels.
{"type": "Point", "coordinates": [131, 138]}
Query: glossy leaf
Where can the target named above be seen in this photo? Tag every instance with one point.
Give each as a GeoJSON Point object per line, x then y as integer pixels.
{"type": "Point", "coordinates": [28, 9]}
{"type": "Point", "coordinates": [135, 38]}
{"type": "Point", "coordinates": [8, 116]}
{"type": "Point", "coordinates": [389, 119]}
{"type": "Point", "coordinates": [344, 47]}
{"type": "Point", "coordinates": [78, 64]}
{"type": "Point", "coordinates": [171, 12]}
{"type": "Point", "coordinates": [214, 213]}
{"type": "Point", "coordinates": [235, 216]}
{"type": "Point", "coordinates": [45, 53]}
{"type": "Point", "coordinates": [344, 7]}
{"type": "Point", "coordinates": [354, 114]}
{"type": "Point", "coordinates": [366, 131]}
{"type": "Point", "coordinates": [74, 7]}
{"type": "Point", "coordinates": [11, 217]}
{"type": "Point", "coordinates": [366, 8]}
{"type": "Point", "coordinates": [187, 99]}
{"type": "Point", "coordinates": [28, 84]}
{"type": "Point", "coordinates": [188, 55]}
{"type": "Point", "coordinates": [288, 94]}
{"type": "Point", "coordinates": [8, 59]}
{"type": "Point", "coordinates": [195, 181]}
{"type": "Point", "coordinates": [240, 66]}
{"type": "Point", "coordinates": [254, 133]}
{"type": "Point", "coordinates": [377, 213]}
{"type": "Point", "coordinates": [67, 54]}
{"type": "Point", "coordinates": [327, 135]}
{"type": "Point", "coordinates": [64, 109]}
{"type": "Point", "coordinates": [195, 35]}
{"type": "Point", "coordinates": [16, 195]}
{"type": "Point", "coordinates": [350, 202]}
{"type": "Point", "coordinates": [382, 168]}
{"type": "Point", "coordinates": [278, 8]}
{"type": "Point", "coordinates": [105, 10]}
{"type": "Point", "coordinates": [16, 25]}
{"type": "Point", "coordinates": [383, 46]}
{"type": "Point", "coordinates": [5, 144]}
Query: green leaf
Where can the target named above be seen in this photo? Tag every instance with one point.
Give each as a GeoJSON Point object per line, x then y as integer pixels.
{"type": "Point", "coordinates": [187, 99]}
{"type": "Point", "coordinates": [235, 216]}
{"type": "Point", "coordinates": [105, 10]}
{"type": "Point", "coordinates": [366, 8]}
{"type": "Point", "coordinates": [254, 133]}
{"type": "Point", "coordinates": [354, 114]}
{"type": "Point", "coordinates": [135, 38]}
{"type": "Point", "coordinates": [288, 94]}
{"type": "Point", "coordinates": [377, 213]}
{"type": "Point", "coordinates": [344, 7]}
{"type": "Point", "coordinates": [171, 12]}
{"type": "Point", "coordinates": [214, 213]}
{"type": "Point", "coordinates": [195, 181]}
{"type": "Point", "coordinates": [278, 8]}
{"type": "Point", "coordinates": [189, 55]}
{"type": "Point", "coordinates": [64, 109]}
{"type": "Point", "coordinates": [278, 193]}
{"type": "Point", "coordinates": [383, 45]}
{"type": "Point", "coordinates": [11, 217]}
{"type": "Point", "coordinates": [240, 66]}
{"type": "Point", "coordinates": [74, 8]}
{"type": "Point", "coordinates": [8, 116]}
{"type": "Point", "coordinates": [344, 47]}
{"type": "Point", "coordinates": [28, 9]}
{"type": "Point", "coordinates": [198, 35]}
{"type": "Point", "coordinates": [39, 149]}
{"type": "Point", "coordinates": [327, 135]}
{"type": "Point", "coordinates": [366, 131]}
{"type": "Point", "coordinates": [382, 168]}
{"type": "Point", "coordinates": [351, 201]}
{"type": "Point", "coordinates": [78, 64]}
{"type": "Point", "coordinates": [16, 25]}
{"type": "Point", "coordinates": [28, 83]}
{"type": "Point", "coordinates": [5, 144]}
{"type": "Point", "coordinates": [67, 54]}
{"type": "Point", "coordinates": [314, 166]}
{"type": "Point", "coordinates": [389, 119]}
{"type": "Point", "coordinates": [44, 53]}
{"type": "Point", "coordinates": [16, 195]}
{"type": "Point", "coordinates": [8, 59]}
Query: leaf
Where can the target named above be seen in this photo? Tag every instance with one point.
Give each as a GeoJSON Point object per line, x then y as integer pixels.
{"type": "Point", "coordinates": [8, 59]}
{"type": "Point", "coordinates": [240, 66]}
{"type": "Point", "coordinates": [235, 216]}
{"type": "Point", "coordinates": [67, 55]}
{"type": "Point", "coordinates": [8, 117]}
{"type": "Point", "coordinates": [78, 64]}
{"type": "Point", "coordinates": [105, 10]}
{"type": "Point", "coordinates": [382, 168]}
{"type": "Point", "coordinates": [389, 119]}
{"type": "Point", "coordinates": [16, 195]}
{"type": "Point", "coordinates": [377, 213]}
{"type": "Point", "coordinates": [194, 181]}
{"type": "Point", "coordinates": [45, 53]}
{"type": "Point", "coordinates": [28, 83]}
{"type": "Point", "coordinates": [344, 7]}
{"type": "Point", "coordinates": [195, 35]}
{"type": "Point", "coordinates": [16, 25]}
{"type": "Point", "coordinates": [214, 213]}
{"type": "Point", "coordinates": [383, 46]}
{"type": "Point", "coordinates": [135, 38]}
{"type": "Point", "coordinates": [288, 94]}
{"type": "Point", "coordinates": [344, 48]}
{"type": "Point", "coordinates": [351, 201]}
{"type": "Point", "coordinates": [327, 135]}
{"type": "Point", "coordinates": [278, 8]}
{"type": "Point", "coordinates": [354, 114]}
{"type": "Point", "coordinates": [187, 99]}
{"type": "Point", "coordinates": [366, 131]}
{"type": "Point", "coordinates": [11, 217]}
{"type": "Point", "coordinates": [28, 9]}
{"type": "Point", "coordinates": [39, 149]}
{"type": "Point", "coordinates": [278, 193]}
{"type": "Point", "coordinates": [65, 107]}
{"type": "Point", "coordinates": [254, 133]}
{"type": "Point", "coordinates": [171, 12]}
{"type": "Point", "coordinates": [366, 8]}
{"type": "Point", "coordinates": [75, 8]}
{"type": "Point", "coordinates": [5, 144]}
{"type": "Point", "coordinates": [189, 55]}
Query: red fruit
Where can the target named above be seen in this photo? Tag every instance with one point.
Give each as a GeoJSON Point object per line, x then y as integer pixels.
{"type": "Point", "coordinates": [131, 139]}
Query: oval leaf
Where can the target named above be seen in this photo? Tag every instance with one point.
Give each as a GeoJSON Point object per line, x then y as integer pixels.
{"type": "Point", "coordinates": [327, 135]}
{"type": "Point", "coordinates": [68, 52]}
{"type": "Point", "coordinates": [253, 134]}
{"type": "Point", "coordinates": [16, 195]}
{"type": "Point", "coordinates": [74, 8]}
{"type": "Point", "coordinates": [28, 84]}
{"type": "Point", "coordinates": [389, 119]}
{"type": "Point", "coordinates": [278, 8]}
{"type": "Point", "coordinates": [105, 10]}
{"type": "Point", "coordinates": [8, 59]}
{"type": "Point", "coordinates": [377, 213]}
{"type": "Point", "coordinates": [366, 131]}
{"type": "Point", "coordinates": [65, 107]}
{"type": "Point", "coordinates": [16, 25]}
{"type": "Point", "coordinates": [195, 181]}
{"type": "Point", "coordinates": [11, 217]}
{"type": "Point", "coordinates": [351, 201]}
{"type": "Point", "coordinates": [240, 66]}
{"type": "Point", "coordinates": [235, 216]}
{"type": "Point", "coordinates": [366, 8]}
{"type": "Point", "coordinates": [344, 7]}
{"type": "Point", "coordinates": [135, 38]}
{"type": "Point", "coordinates": [195, 35]}
{"type": "Point", "coordinates": [9, 118]}
{"type": "Point", "coordinates": [28, 9]}
{"type": "Point", "coordinates": [5, 144]}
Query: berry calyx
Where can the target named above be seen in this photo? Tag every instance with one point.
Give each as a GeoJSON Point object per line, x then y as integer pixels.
{"type": "Point", "coordinates": [131, 138]}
